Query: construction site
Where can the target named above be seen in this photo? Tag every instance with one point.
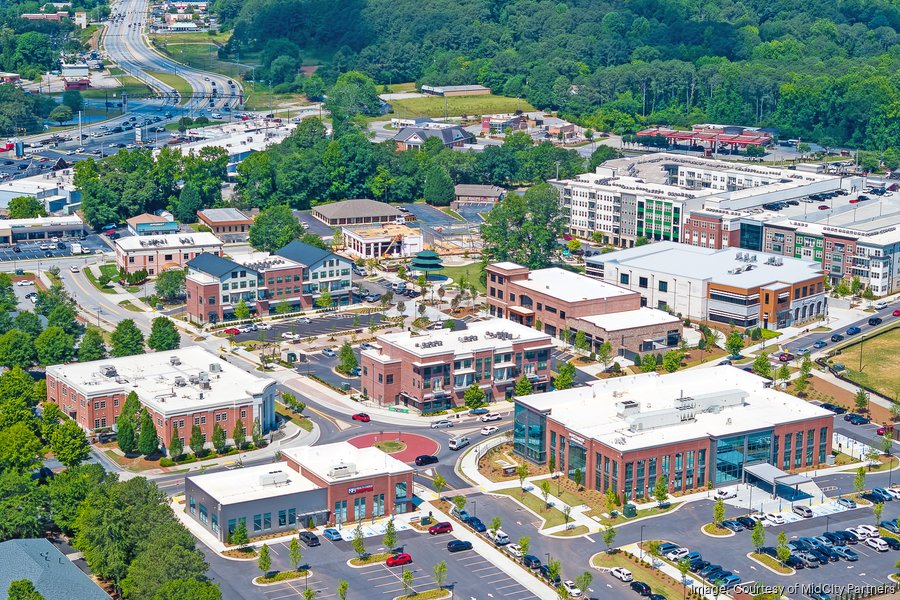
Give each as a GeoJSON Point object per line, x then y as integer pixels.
{"type": "Point", "coordinates": [396, 240]}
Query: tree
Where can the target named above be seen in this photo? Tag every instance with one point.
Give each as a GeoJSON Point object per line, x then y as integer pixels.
{"type": "Point", "coordinates": [166, 553]}
{"type": "Point", "coordinates": [648, 363]}
{"type": "Point", "coordinates": [861, 400]}
{"type": "Point", "coordinates": [274, 228]}
{"type": "Point", "coordinates": [672, 361]}
{"type": "Point", "coordinates": [91, 347]}
{"type": "Point", "coordinates": [218, 438]}
{"type": "Point", "coordinates": [359, 542]}
{"type": "Point", "coordinates": [762, 366]}
{"type": "Point", "coordinates": [684, 566]}
{"type": "Point", "coordinates": [69, 444]}
{"type": "Point", "coordinates": [439, 189]}
{"type": "Point", "coordinates": [609, 536]}
{"type": "Point", "coordinates": [294, 554]}
{"type": "Point", "coordinates": [347, 359]}
{"type": "Point", "coordinates": [390, 535]}
{"type": "Point", "coordinates": [781, 549]}
{"type": "Point", "coordinates": [51, 417]}
{"type": "Point", "coordinates": [256, 433]}
{"type": "Point", "coordinates": [240, 537]}
{"type": "Point", "coordinates": [584, 581]}
{"type": "Point", "coordinates": [188, 589]}
{"type": "Point", "coordinates": [522, 474]}
{"type": "Point", "coordinates": [73, 99]}
{"type": "Point", "coordinates": [170, 284]}
{"type": "Point", "coordinates": [523, 387]}
{"type": "Point", "coordinates": [604, 354]}
{"type": "Point", "coordinates": [324, 300]}
{"type": "Point", "coordinates": [407, 580]}
{"type": "Point", "coordinates": [612, 499]}
{"type": "Point", "coordinates": [661, 489]}
{"type": "Point", "coordinates": [565, 378]}
{"type": "Point", "coordinates": [876, 511]}
{"type": "Point", "coordinates": [264, 560]}
{"type": "Point", "coordinates": [567, 514]}
{"type": "Point", "coordinates": [163, 335]}
{"type": "Point", "coordinates": [496, 524]}
{"type": "Point", "coordinates": [474, 396]}
{"type": "Point", "coordinates": [28, 322]}
{"type": "Point", "coordinates": [524, 544]}
{"type": "Point", "coordinates": [734, 343]}
{"type": "Point", "coordinates": [859, 480]}
{"type": "Point", "coordinates": [440, 574]}
{"type": "Point", "coordinates": [54, 346]}
{"type": "Point", "coordinates": [718, 512]}
{"type": "Point", "coordinates": [241, 310]}
{"type": "Point", "coordinates": [17, 349]}
{"type": "Point", "coordinates": [887, 443]}
{"type": "Point", "coordinates": [545, 492]}
{"type": "Point", "coordinates": [759, 535]}
{"type": "Point", "coordinates": [524, 229]}
{"type": "Point", "coordinates": [26, 207]}
{"type": "Point", "coordinates": [61, 114]}
{"type": "Point", "coordinates": [581, 343]}
{"type": "Point", "coordinates": [127, 339]}
{"type": "Point", "coordinates": [641, 241]}
{"type": "Point", "coordinates": [439, 483]}
{"type": "Point", "coordinates": [239, 435]}
{"type": "Point", "coordinates": [126, 433]}
{"type": "Point", "coordinates": [197, 441]}
{"type": "Point", "coordinates": [148, 440]}
{"type": "Point", "coordinates": [23, 589]}
{"type": "Point", "coordinates": [342, 588]}
{"type": "Point", "coordinates": [783, 373]}
{"type": "Point", "coordinates": [19, 448]}
{"type": "Point", "coordinates": [459, 501]}
{"type": "Point", "coordinates": [352, 94]}
{"type": "Point", "coordinates": [176, 448]}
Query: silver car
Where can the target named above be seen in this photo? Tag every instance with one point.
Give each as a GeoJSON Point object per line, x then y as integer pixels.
{"type": "Point", "coordinates": [442, 424]}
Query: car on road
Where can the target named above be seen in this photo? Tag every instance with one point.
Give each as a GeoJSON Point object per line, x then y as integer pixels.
{"type": "Point", "coordinates": [846, 553]}
{"type": "Point", "coordinates": [819, 344]}
{"type": "Point", "coordinates": [875, 321]}
{"type": "Point", "coordinates": [837, 337]}
{"type": "Point", "coordinates": [425, 459]}
{"type": "Point", "coordinates": [265, 326]}
{"type": "Point", "coordinates": [531, 561]}
{"type": "Point", "coordinates": [231, 331]}
{"type": "Point", "coordinates": [74, 269]}
{"type": "Point", "coordinates": [489, 430]}
{"type": "Point", "coordinates": [476, 524]}
{"type": "Point", "coordinates": [442, 527]}
{"type": "Point", "coordinates": [398, 560]}
{"type": "Point", "coordinates": [361, 417]}
{"type": "Point", "coordinates": [573, 590]}
{"type": "Point", "coordinates": [896, 313]}
{"type": "Point", "coordinates": [785, 357]}
{"type": "Point", "coordinates": [458, 546]}
{"type": "Point", "coordinates": [309, 538]}
{"type": "Point", "coordinates": [332, 534]}
{"type": "Point", "coordinates": [881, 305]}
{"type": "Point", "coordinates": [442, 424]}
{"type": "Point", "coordinates": [329, 352]}
{"type": "Point", "coordinates": [641, 588]}
{"type": "Point", "coordinates": [622, 574]}
{"type": "Point", "coordinates": [853, 330]}
{"type": "Point", "coordinates": [491, 417]}
{"type": "Point", "coordinates": [479, 411]}
{"type": "Point", "coordinates": [823, 207]}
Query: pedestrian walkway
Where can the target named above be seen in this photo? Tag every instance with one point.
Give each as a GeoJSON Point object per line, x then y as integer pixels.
{"type": "Point", "coordinates": [672, 571]}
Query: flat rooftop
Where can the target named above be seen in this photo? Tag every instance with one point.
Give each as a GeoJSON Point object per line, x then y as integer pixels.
{"type": "Point", "coordinates": [169, 382]}
{"type": "Point", "coordinates": [615, 180]}
{"type": "Point", "coordinates": [363, 462]}
{"type": "Point", "coordinates": [382, 230]}
{"type": "Point", "coordinates": [217, 215]}
{"type": "Point", "coordinates": [630, 319]}
{"type": "Point", "coordinates": [643, 411]}
{"type": "Point", "coordinates": [169, 240]}
{"type": "Point", "coordinates": [41, 222]}
{"type": "Point", "coordinates": [569, 286]}
{"type": "Point", "coordinates": [253, 483]}
{"type": "Point", "coordinates": [490, 334]}
{"type": "Point", "coordinates": [708, 264]}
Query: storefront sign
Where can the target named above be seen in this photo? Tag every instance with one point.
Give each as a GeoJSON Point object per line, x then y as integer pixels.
{"type": "Point", "coordinates": [359, 489]}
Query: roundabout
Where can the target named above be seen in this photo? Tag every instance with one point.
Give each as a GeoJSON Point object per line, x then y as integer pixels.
{"type": "Point", "coordinates": [404, 447]}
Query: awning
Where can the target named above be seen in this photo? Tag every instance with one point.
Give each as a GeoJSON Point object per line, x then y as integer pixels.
{"type": "Point", "coordinates": [521, 310]}
{"type": "Point", "coordinates": [770, 473]}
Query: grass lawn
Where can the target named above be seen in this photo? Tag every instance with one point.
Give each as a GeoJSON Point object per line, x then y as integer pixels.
{"type": "Point", "coordinates": [768, 334]}
{"type": "Point", "coordinates": [110, 270]}
{"type": "Point", "coordinates": [102, 288]}
{"type": "Point", "coordinates": [370, 559]}
{"type": "Point", "coordinates": [552, 516]}
{"type": "Point", "coordinates": [659, 582]}
{"type": "Point", "coordinates": [456, 106]}
{"type": "Point", "coordinates": [771, 563]}
{"type": "Point", "coordinates": [390, 446]}
{"type": "Point", "coordinates": [180, 84]}
{"type": "Point", "coordinates": [711, 529]}
{"type": "Point", "coordinates": [127, 304]}
{"type": "Point", "coordinates": [396, 88]}
{"type": "Point", "coordinates": [199, 37]}
{"type": "Point", "coordinates": [647, 512]}
{"type": "Point", "coordinates": [260, 97]}
{"type": "Point", "coordinates": [204, 56]}
{"type": "Point", "coordinates": [282, 576]}
{"type": "Point", "coordinates": [577, 530]}
{"type": "Point", "coordinates": [471, 272]}
{"type": "Point", "coordinates": [879, 367]}
{"type": "Point", "coordinates": [305, 424]}
{"type": "Point", "coordinates": [432, 594]}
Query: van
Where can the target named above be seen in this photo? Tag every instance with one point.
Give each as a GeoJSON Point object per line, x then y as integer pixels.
{"type": "Point", "coordinates": [498, 537]}
{"type": "Point", "coordinates": [458, 443]}
{"type": "Point", "coordinates": [804, 511]}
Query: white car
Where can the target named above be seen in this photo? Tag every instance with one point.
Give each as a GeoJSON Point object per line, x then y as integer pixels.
{"type": "Point", "coordinates": [491, 417]}
{"type": "Point", "coordinates": [574, 590]}
{"type": "Point", "coordinates": [489, 430]}
{"type": "Point", "coordinates": [216, 116]}
{"type": "Point", "coordinates": [80, 149]}
{"type": "Point", "coordinates": [871, 531]}
{"type": "Point", "coordinates": [774, 519]}
{"type": "Point", "coordinates": [75, 269]}
{"type": "Point", "coordinates": [55, 240]}
{"type": "Point", "coordinates": [622, 574]}
{"type": "Point", "coordinates": [725, 494]}
{"type": "Point", "coordinates": [895, 493]}
{"type": "Point", "coordinates": [263, 326]}
{"type": "Point", "coordinates": [287, 335]}
{"type": "Point", "coordinates": [24, 283]}
{"type": "Point", "coordinates": [881, 305]}
{"type": "Point", "coordinates": [515, 550]}
{"type": "Point", "coordinates": [677, 554]}
{"type": "Point", "coordinates": [305, 320]}
{"type": "Point", "coordinates": [878, 544]}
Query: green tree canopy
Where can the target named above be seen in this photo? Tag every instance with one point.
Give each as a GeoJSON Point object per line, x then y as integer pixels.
{"type": "Point", "coordinates": [170, 284]}
{"type": "Point", "coordinates": [163, 335]}
{"type": "Point", "coordinates": [274, 228]}
{"type": "Point", "coordinates": [26, 207]}
{"type": "Point", "coordinates": [127, 339]}
{"type": "Point", "coordinates": [524, 229]}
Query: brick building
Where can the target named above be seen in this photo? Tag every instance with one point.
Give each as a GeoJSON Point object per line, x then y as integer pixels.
{"type": "Point", "coordinates": [554, 300]}
{"type": "Point", "coordinates": [432, 371]}
{"type": "Point", "coordinates": [185, 387]}
{"type": "Point", "coordinates": [692, 427]}
{"type": "Point", "coordinates": [326, 484]}
{"type": "Point", "coordinates": [156, 253]}
{"type": "Point", "coordinates": [228, 223]}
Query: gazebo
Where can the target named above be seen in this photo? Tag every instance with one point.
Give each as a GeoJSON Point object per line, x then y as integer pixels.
{"type": "Point", "coordinates": [426, 262]}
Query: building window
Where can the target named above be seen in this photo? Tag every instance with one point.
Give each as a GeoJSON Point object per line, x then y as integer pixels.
{"type": "Point", "coordinates": [378, 505]}
{"type": "Point", "coordinates": [282, 518]}
{"type": "Point", "coordinates": [664, 286]}
{"type": "Point", "coordinates": [643, 282]}
{"type": "Point", "coordinates": [340, 511]}
{"type": "Point", "coordinates": [359, 508]}
{"type": "Point", "coordinates": [215, 523]}
{"type": "Point", "coordinates": [257, 523]}
{"type": "Point", "coordinates": [192, 504]}
{"type": "Point", "coordinates": [204, 514]}
{"type": "Point", "coordinates": [389, 379]}
{"type": "Point", "coordinates": [400, 490]}
{"type": "Point", "coordinates": [623, 278]}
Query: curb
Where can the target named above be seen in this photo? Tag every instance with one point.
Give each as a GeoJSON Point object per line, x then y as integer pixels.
{"type": "Point", "coordinates": [305, 575]}
{"type": "Point", "coordinates": [716, 537]}
{"type": "Point", "coordinates": [765, 566]}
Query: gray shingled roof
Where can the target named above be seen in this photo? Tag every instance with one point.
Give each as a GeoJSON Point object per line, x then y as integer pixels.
{"type": "Point", "coordinates": [52, 574]}
{"type": "Point", "coordinates": [304, 253]}
{"type": "Point", "coordinates": [360, 208]}
{"type": "Point", "coordinates": [447, 135]}
{"type": "Point", "coordinates": [213, 264]}
{"type": "Point", "coordinates": [471, 189]}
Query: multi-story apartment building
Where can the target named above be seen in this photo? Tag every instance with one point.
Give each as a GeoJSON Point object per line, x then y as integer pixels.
{"type": "Point", "coordinates": [555, 300]}
{"type": "Point", "coordinates": [179, 388]}
{"type": "Point", "coordinates": [721, 426]}
{"type": "Point", "coordinates": [297, 275]}
{"type": "Point", "coordinates": [156, 253]}
{"type": "Point", "coordinates": [431, 372]}
{"type": "Point", "coordinates": [727, 286]}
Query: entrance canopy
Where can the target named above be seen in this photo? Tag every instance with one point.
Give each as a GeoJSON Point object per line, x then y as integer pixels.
{"type": "Point", "coordinates": [772, 474]}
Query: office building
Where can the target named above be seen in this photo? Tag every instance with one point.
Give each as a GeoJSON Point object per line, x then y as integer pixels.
{"type": "Point", "coordinates": [147, 224]}
{"type": "Point", "coordinates": [156, 253]}
{"type": "Point", "coordinates": [13, 231]}
{"type": "Point", "coordinates": [227, 223]}
{"type": "Point", "coordinates": [388, 240]}
{"type": "Point", "coordinates": [356, 212]}
{"type": "Point", "coordinates": [717, 426]}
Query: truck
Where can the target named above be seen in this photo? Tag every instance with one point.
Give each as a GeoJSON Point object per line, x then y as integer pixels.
{"type": "Point", "coordinates": [76, 248]}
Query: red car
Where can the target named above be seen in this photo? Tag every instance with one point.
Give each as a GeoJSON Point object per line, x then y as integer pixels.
{"type": "Point", "coordinates": [823, 207]}
{"type": "Point", "coordinates": [399, 559]}
{"type": "Point", "coordinates": [231, 331]}
{"type": "Point", "coordinates": [896, 313]}
{"type": "Point", "coordinates": [786, 357]}
{"type": "Point", "coordinates": [854, 201]}
{"type": "Point", "coordinates": [443, 527]}
{"type": "Point", "coordinates": [362, 417]}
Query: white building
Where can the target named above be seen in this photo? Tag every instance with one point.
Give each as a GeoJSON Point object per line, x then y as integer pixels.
{"type": "Point", "coordinates": [383, 240]}
{"type": "Point", "coordinates": [54, 190]}
{"type": "Point", "coordinates": [13, 231]}
{"type": "Point", "coordinates": [156, 253]}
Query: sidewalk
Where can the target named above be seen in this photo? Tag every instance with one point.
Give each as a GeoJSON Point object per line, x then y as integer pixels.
{"type": "Point", "coordinates": [671, 571]}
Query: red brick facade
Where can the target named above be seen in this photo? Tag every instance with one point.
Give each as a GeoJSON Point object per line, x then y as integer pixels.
{"type": "Point", "coordinates": [710, 231]}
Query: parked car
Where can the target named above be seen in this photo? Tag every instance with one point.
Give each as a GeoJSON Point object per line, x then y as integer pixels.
{"type": "Point", "coordinates": [365, 346]}
{"type": "Point", "coordinates": [533, 562]}
{"type": "Point", "coordinates": [893, 543]}
{"type": "Point", "coordinates": [809, 561]}
{"type": "Point", "coordinates": [733, 525]}
{"type": "Point", "coordinates": [747, 522]}
{"type": "Point", "coordinates": [877, 544]}
{"type": "Point", "coordinates": [425, 459]}
{"type": "Point", "coordinates": [441, 424]}
{"type": "Point", "coordinates": [489, 430]}
{"type": "Point", "coordinates": [362, 417]}
{"type": "Point", "coordinates": [774, 519]}
{"type": "Point", "coordinates": [677, 554]}
{"type": "Point", "coordinates": [329, 352]}
{"type": "Point", "coordinates": [231, 331]}
{"type": "Point", "coordinates": [442, 527]}
{"type": "Point", "coordinates": [846, 553]}
{"type": "Point", "coordinates": [309, 538]}
{"type": "Point", "coordinates": [332, 534]}
{"type": "Point", "coordinates": [641, 588]}
{"type": "Point", "coordinates": [458, 546]}
{"type": "Point", "coordinates": [399, 559]}
{"type": "Point", "coordinates": [265, 326]}
{"type": "Point", "coordinates": [666, 547]}
{"type": "Point", "coordinates": [544, 572]}
{"type": "Point", "coordinates": [785, 357]}
{"type": "Point", "coordinates": [725, 494]}
{"type": "Point", "coordinates": [846, 502]}
{"type": "Point", "coordinates": [514, 550]}
{"type": "Point", "coordinates": [885, 495]}
{"type": "Point", "coordinates": [573, 590]}
{"type": "Point", "coordinates": [871, 530]}
{"type": "Point", "coordinates": [476, 524]}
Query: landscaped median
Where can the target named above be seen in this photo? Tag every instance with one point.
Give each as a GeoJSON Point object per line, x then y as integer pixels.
{"type": "Point", "coordinates": [770, 563]}
{"type": "Point", "coordinates": [714, 530]}
{"type": "Point", "coordinates": [552, 516]}
{"type": "Point", "coordinates": [658, 581]}
{"type": "Point", "coordinates": [280, 576]}
{"type": "Point", "coordinates": [432, 594]}
{"type": "Point", "coordinates": [369, 559]}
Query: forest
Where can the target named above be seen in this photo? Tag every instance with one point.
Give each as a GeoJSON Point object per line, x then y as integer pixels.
{"type": "Point", "coordinates": [823, 71]}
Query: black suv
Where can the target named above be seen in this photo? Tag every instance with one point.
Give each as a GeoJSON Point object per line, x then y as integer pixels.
{"type": "Point", "coordinates": [875, 321]}
{"type": "Point", "coordinates": [641, 588]}
{"type": "Point", "coordinates": [425, 459]}
{"type": "Point", "coordinates": [309, 538]}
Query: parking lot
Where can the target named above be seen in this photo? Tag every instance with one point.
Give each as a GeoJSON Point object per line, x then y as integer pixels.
{"type": "Point", "coordinates": [319, 325]}
{"type": "Point", "coordinates": [429, 215]}
{"type": "Point", "coordinates": [473, 212]}
{"type": "Point", "coordinates": [32, 249]}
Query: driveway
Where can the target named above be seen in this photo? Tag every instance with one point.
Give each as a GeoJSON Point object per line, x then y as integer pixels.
{"type": "Point", "coordinates": [320, 325]}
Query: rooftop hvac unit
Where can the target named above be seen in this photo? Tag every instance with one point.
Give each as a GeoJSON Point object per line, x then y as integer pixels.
{"type": "Point", "coordinates": [108, 371]}
{"type": "Point", "coordinates": [179, 381]}
{"type": "Point", "coordinates": [274, 478]}
{"type": "Point", "coordinates": [342, 470]}
{"type": "Point", "coordinates": [215, 368]}
{"type": "Point", "coordinates": [194, 379]}
{"type": "Point", "coordinates": [174, 361]}
{"type": "Point", "coordinates": [204, 376]}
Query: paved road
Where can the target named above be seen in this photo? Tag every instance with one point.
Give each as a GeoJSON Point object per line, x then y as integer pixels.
{"type": "Point", "coordinates": [808, 340]}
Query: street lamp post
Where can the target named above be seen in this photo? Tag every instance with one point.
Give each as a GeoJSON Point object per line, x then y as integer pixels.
{"type": "Point", "coordinates": [641, 547]}
{"type": "Point", "coordinates": [474, 508]}
{"type": "Point", "coordinates": [827, 519]}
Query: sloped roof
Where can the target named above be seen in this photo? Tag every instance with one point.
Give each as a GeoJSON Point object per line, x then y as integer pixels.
{"type": "Point", "coordinates": [357, 208]}
{"type": "Point", "coordinates": [212, 264]}
{"type": "Point", "coordinates": [304, 253]}
{"type": "Point", "coordinates": [447, 135]}
{"type": "Point", "coordinates": [52, 574]}
{"type": "Point", "coordinates": [470, 189]}
{"type": "Point", "coordinates": [145, 218]}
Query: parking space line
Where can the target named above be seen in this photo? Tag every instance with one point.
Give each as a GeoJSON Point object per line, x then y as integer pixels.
{"type": "Point", "coordinates": [522, 591]}
{"type": "Point", "coordinates": [504, 578]}
{"type": "Point", "coordinates": [482, 569]}
{"type": "Point", "coordinates": [503, 587]}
